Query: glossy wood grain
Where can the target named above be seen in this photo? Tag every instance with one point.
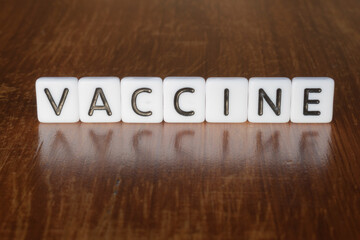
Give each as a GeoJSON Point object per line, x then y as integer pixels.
{"type": "Point", "coordinates": [178, 181]}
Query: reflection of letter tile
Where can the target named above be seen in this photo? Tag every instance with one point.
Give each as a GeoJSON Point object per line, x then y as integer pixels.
{"type": "Point", "coordinates": [311, 143]}
{"type": "Point", "coordinates": [233, 147]}
{"type": "Point", "coordinates": [59, 143]}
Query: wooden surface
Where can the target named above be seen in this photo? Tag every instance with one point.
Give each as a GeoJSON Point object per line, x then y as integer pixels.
{"type": "Point", "coordinates": [178, 181]}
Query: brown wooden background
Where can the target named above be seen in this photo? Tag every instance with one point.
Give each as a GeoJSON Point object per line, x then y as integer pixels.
{"type": "Point", "coordinates": [178, 181]}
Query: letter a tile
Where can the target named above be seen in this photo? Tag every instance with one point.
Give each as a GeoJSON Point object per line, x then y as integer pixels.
{"type": "Point", "coordinates": [99, 99]}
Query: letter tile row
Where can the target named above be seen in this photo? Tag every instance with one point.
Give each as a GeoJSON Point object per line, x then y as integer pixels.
{"type": "Point", "coordinates": [185, 99]}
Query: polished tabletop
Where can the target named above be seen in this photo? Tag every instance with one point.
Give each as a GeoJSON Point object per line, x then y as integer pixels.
{"type": "Point", "coordinates": [179, 181]}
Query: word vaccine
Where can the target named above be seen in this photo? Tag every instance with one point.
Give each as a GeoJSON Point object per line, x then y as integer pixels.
{"type": "Point", "coordinates": [185, 99]}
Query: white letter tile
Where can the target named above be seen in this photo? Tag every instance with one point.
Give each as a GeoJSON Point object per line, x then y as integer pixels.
{"type": "Point", "coordinates": [264, 92]}
{"type": "Point", "coordinates": [141, 99]}
{"type": "Point", "coordinates": [57, 99]}
{"type": "Point", "coordinates": [226, 99]}
{"type": "Point", "coordinates": [99, 99]}
{"type": "Point", "coordinates": [184, 99]}
{"type": "Point", "coordinates": [312, 100]}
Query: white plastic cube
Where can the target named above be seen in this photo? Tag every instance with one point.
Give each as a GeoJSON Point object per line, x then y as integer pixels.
{"type": "Point", "coordinates": [141, 99]}
{"type": "Point", "coordinates": [99, 99]}
{"type": "Point", "coordinates": [57, 99]}
{"type": "Point", "coordinates": [312, 100]}
{"type": "Point", "coordinates": [269, 100]}
{"type": "Point", "coordinates": [184, 99]}
{"type": "Point", "coordinates": [226, 99]}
